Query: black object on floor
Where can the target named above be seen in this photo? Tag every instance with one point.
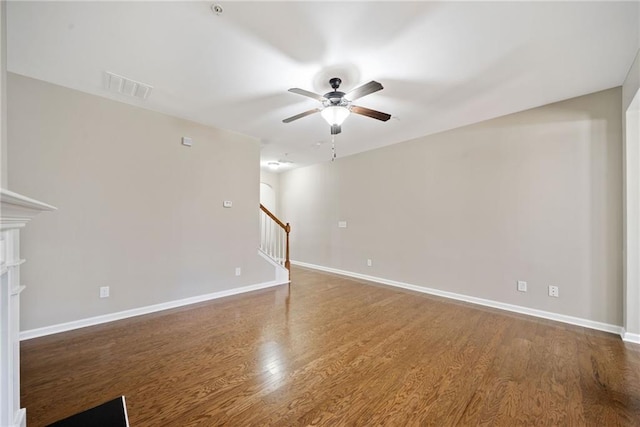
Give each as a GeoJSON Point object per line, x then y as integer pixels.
{"type": "Point", "coordinates": [109, 414]}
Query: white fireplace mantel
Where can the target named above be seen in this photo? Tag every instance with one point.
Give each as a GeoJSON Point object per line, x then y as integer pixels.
{"type": "Point", "coordinates": [16, 211]}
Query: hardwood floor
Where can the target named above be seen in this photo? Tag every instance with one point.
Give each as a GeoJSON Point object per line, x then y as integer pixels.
{"type": "Point", "coordinates": [334, 351]}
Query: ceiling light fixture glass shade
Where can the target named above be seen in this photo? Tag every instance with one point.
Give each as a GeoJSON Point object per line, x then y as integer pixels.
{"type": "Point", "coordinates": [335, 114]}
{"type": "Point", "coordinates": [273, 165]}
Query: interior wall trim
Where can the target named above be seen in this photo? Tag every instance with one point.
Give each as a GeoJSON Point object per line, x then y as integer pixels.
{"type": "Point", "coordinates": [614, 329]}
{"type": "Point", "coordinates": [629, 337]}
{"type": "Point", "coordinates": [112, 317]}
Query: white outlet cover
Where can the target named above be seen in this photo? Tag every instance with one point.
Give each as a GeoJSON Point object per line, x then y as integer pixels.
{"type": "Point", "coordinates": [522, 286]}
{"type": "Point", "coordinates": [238, 271]}
{"type": "Point", "coordinates": [342, 224]}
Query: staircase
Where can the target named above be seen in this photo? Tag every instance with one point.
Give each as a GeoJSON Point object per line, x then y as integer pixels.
{"type": "Point", "coordinates": [274, 240]}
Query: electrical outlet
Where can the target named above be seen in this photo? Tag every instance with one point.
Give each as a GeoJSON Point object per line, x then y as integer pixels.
{"type": "Point", "coordinates": [369, 263]}
{"type": "Point", "coordinates": [522, 286]}
{"type": "Point", "coordinates": [553, 291]}
{"type": "Point", "coordinates": [238, 271]}
{"type": "Point", "coordinates": [104, 291]}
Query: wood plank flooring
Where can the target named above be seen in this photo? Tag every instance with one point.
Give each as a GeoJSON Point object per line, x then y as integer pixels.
{"type": "Point", "coordinates": [334, 351]}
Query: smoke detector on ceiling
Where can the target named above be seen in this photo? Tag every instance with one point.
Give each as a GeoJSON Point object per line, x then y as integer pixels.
{"type": "Point", "coordinates": [125, 86]}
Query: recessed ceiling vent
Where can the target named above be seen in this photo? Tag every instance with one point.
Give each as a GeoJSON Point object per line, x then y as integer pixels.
{"type": "Point", "coordinates": [125, 86]}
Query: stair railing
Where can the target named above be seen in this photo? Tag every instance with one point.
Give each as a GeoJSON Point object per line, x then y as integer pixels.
{"type": "Point", "coordinates": [274, 237]}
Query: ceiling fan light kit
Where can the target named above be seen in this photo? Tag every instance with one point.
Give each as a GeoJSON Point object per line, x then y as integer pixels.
{"type": "Point", "coordinates": [335, 114]}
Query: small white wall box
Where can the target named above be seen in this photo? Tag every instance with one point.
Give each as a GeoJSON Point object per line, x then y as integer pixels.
{"type": "Point", "coordinates": [186, 141]}
{"type": "Point", "coordinates": [227, 203]}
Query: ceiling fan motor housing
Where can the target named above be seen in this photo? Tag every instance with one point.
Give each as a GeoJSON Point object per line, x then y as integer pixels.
{"type": "Point", "coordinates": [335, 98]}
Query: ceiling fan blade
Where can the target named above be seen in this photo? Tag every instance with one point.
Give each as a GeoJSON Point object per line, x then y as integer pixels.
{"type": "Point", "coordinates": [301, 115]}
{"type": "Point", "coordinates": [307, 93]}
{"type": "Point", "coordinates": [365, 89]}
{"type": "Point", "coordinates": [370, 113]}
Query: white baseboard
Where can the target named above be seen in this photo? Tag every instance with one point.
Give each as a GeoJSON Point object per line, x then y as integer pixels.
{"type": "Point", "coordinates": [97, 320]}
{"type": "Point", "coordinates": [20, 418]}
{"type": "Point", "coordinates": [480, 301]}
{"type": "Point", "coordinates": [629, 337]}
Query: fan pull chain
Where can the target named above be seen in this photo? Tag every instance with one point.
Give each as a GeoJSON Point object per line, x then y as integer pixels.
{"type": "Point", "coordinates": [333, 148]}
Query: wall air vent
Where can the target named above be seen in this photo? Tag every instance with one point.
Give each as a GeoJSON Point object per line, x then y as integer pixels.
{"type": "Point", "coordinates": [125, 86]}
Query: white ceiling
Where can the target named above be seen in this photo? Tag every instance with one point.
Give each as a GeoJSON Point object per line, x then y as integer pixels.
{"type": "Point", "coordinates": [443, 64]}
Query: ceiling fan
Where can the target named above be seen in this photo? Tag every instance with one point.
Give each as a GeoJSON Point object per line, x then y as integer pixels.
{"type": "Point", "coordinates": [336, 105]}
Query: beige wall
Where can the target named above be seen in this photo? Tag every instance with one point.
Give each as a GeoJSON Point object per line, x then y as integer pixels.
{"type": "Point", "coordinates": [272, 180]}
{"type": "Point", "coordinates": [533, 196]}
{"type": "Point", "coordinates": [137, 211]}
{"type": "Point", "coordinates": [630, 123]}
{"type": "Point", "coordinates": [4, 170]}
{"type": "Point", "coordinates": [631, 83]}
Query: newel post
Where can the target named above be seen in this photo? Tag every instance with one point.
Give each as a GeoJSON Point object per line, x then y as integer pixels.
{"type": "Point", "coordinates": [287, 263]}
